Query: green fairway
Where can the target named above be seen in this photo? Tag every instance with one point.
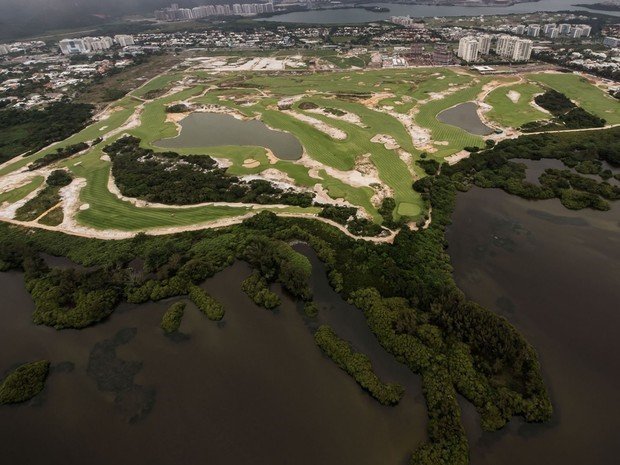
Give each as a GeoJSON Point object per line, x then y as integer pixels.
{"type": "Point", "coordinates": [449, 139]}
{"type": "Point", "coordinates": [582, 91]}
{"type": "Point", "coordinates": [514, 114]}
{"type": "Point", "coordinates": [19, 193]}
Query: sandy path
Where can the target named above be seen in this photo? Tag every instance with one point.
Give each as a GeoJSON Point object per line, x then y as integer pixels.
{"type": "Point", "coordinates": [351, 118]}
{"type": "Point", "coordinates": [319, 125]}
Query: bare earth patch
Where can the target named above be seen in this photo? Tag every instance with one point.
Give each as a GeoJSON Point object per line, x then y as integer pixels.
{"type": "Point", "coordinates": [388, 141]}
{"type": "Point", "coordinates": [319, 125]}
{"type": "Point", "coordinates": [514, 96]}
{"type": "Point", "coordinates": [458, 156]}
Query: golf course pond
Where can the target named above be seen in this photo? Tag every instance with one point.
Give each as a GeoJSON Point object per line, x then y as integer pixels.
{"type": "Point", "coordinates": [216, 130]}
{"type": "Point", "coordinates": [465, 116]}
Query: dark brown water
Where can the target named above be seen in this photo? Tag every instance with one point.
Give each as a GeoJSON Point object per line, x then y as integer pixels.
{"type": "Point", "coordinates": [465, 116]}
{"type": "Point", "coordinates": [214, 129]}
{"type": "Point", "coordinates": [253, 389]}
{"type": "Point", "coordinates": [555, 274]}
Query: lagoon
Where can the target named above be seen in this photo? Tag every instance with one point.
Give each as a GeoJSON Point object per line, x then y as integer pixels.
{"type": "Point", "coordinates": [465, 116]}
{"type": "Point", "coordinates": [359, 15]}
{"type": "Point", "coordinates": [216, 130]}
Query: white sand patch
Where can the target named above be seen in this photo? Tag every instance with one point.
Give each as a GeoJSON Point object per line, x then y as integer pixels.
{"type": "Point", "coordinates": [271, 157]}
{"type": "Point", "coordinates": [376, 98]}
{"type": "Point", "coordinates": [222, 162]}
{"type": "Point", "coordinates": [441, 142]}
{"type": "Point", "coordinates": [287, 102]}
{"type": "Point", "coordinates": [250, 163]}
{"type": "Point", "coordinates": [456, 157]}
{"type": "Point", "coordinates": [276, 177]}
{"type": "Point", "coordinates": [514, 96]}
{"type": "Point", "coordinates": [84, 206]}
{"type": "Point", "coordinates": [347, 117]}
{"type": "Point", "coordinates": [381, 192]}
{"type": "Point", "coordinates": [388, 141]}
{"type": "Point", "coordinates": [319, 125]}
{"type": "Point", "coordinates": [104, 158]}
{"type": "Point", "coordinates": [407, 158]}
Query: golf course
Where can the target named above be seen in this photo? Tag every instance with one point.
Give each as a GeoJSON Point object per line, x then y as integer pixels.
{"type": "Point", "coordinates": [365, 136]}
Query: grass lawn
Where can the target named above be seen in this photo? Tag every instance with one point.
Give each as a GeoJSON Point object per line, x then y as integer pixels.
{"type": "Point", "coordinates": [587, 95]}
{"type": "Point", "coordinates": [453, 138]}
{"type": "Point", "coordinates": [510, 114]}
{"type": "Point", "coordinates": [19, 193]}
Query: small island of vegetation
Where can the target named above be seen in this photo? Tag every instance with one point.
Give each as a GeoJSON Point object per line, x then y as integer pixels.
{"type": "Point", "coordinates": [24, 382]}
{"type": "Point", "coordinates": [171, 321]}
{"type": "Point", "coordinates": [358, 366]}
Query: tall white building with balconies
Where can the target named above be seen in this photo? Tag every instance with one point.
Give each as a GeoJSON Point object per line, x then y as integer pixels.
{"type": "Point", "coordinates": [468, 48]}
{"type": "Point", "coordinates": [484, 44]}
{"type": "Point", "coordinates": [522, 50]}
{"type": "Point", "coordinates": [124, 40]}
{"type": "Point", "coordinates": [73, 46]}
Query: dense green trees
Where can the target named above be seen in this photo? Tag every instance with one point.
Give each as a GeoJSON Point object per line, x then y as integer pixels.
{"type": "Point", "coordinates": [59, 154]}
{"type": "Point", "coordinates": [71, 298]}
{"type": "Point", "coordinates": [555, 102]}
{"type": "Point", "coordinates": [24, 382]}
{"type": "Point", "coordinates": [276, 261]}
{"type": "Point", "coordinates": [567, 114]}
{"type": "Point", "coordinates": [171, 321]}
{"type": "Point", "coordinates": [357, 365]}
{"type": "Point", "coordinates": [30, 130]}
{"type": "Point", "coordinates": [181, 180]}
{"type": "Point", "coordinates": [45, 199]}
{"type": "Point", "coordinates": [59, 178]}
{"type": "Point", "coordinates": [584, 151]}
{"type": "Point", "coordinates": [338, 213]}
{"type": "Point", "coordinates": [207, 304]}
{"type": "Point", "coordinates": [257, 289]}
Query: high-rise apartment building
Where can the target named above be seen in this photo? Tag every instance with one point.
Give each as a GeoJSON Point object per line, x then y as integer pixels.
{"type": "Point", "coordinates": [484, 44]}
{"type": "Point", "coordinates": [533, 30]}
{"type": "Point", "coordinates": [73, 46]}
{"type": "Point", "coordinates": [468, 48]}
{"type": "Point", "coordinates": [522, 50]}
{"type": "Point", "coordinates": [505, 46]}
{"type": "Point", "coordinates": [124, 40]}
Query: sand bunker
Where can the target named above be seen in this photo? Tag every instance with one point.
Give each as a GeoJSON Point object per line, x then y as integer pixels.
{"type": "Point", "coordinates": [325, 128]}
{"type": "Point", "coordinates": [514, 96]}
{"type": "Point", "coordinates": [388, 141]}
{"type": "Point", "coordinates": [251, 163]}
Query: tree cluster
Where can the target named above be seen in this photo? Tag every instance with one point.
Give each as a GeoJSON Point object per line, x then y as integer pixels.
{"type": "Point", "coordinates": [174, 179]}
{"type": "Point", "coordinates": [357, 365]}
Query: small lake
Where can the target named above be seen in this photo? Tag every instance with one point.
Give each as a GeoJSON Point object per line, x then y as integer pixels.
{"type": "Point", "coordinates": [535, 168]}
{"type": "Point", "coordinates": [216, 130]}
{"type": "Point", "coordinates": [465, 116]}
{"type": "Point", "coordinates": [359, 15]}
